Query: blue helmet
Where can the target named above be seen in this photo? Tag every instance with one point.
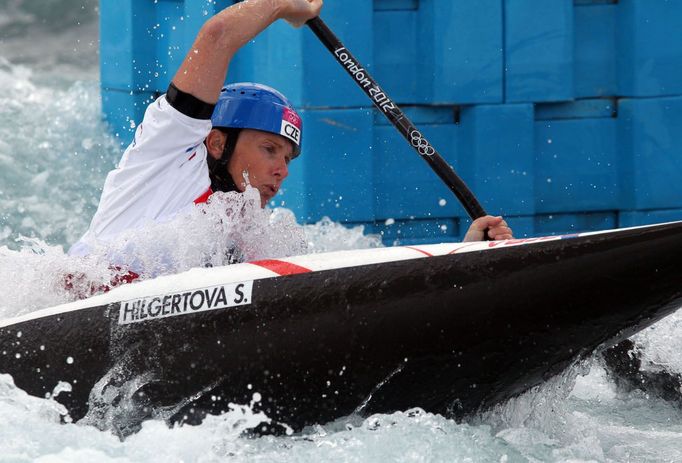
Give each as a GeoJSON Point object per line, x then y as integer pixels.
{"type": "Point", "coordinates": [255, 106]}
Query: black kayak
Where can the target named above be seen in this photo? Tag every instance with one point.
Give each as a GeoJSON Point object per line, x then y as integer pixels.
{"type": "Point", "coordinates": [451, 328]}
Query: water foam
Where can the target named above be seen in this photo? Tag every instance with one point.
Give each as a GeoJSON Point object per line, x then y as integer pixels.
{"type": "Point", "coordinates": [230, 227]}
{"type": "Point", "coordinates": [660, 345]}
{"type": "Point", "coordinates": [53, 157]}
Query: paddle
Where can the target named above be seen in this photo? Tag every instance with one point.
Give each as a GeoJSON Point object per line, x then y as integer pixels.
{"type": "Point", "coordinates": [415, 138]}
{"type": "Point", "coordinates": [399, 120]}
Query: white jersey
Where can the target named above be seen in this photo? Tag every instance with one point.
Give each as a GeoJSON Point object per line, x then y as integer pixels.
{"type": "Point", "coordinates": [163, 172]}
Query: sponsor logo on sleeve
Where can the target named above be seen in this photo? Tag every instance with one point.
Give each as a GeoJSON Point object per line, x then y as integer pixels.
{"type": "Point", "coordinates": [196, 300]}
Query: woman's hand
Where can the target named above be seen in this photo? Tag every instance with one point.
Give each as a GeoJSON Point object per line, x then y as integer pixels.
{"type": "Point", "coordinates": [298, 12]}
{"type": "Point", "coordinates": [496, 226]}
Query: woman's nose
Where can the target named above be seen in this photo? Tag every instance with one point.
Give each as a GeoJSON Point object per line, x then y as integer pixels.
{"type": "Point", "coordinates": [282, 169]}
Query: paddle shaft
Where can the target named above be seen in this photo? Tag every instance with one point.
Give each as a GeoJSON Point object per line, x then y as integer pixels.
{"type": "Point", "coordinates": [396, 116]}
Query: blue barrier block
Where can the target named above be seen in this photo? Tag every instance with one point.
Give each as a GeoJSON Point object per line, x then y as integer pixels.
{"type": "Point", "coordinates": [423, 231]}
{"type": "Point", "coordinates": [576, 165]}
{"type": "Point", "coordinates": [324, 82]}
{"type": "Point", "coordinates": [579, 109]}
{"type": "Point", "coordinates": [538, 50]}
{"type": "Point", "coordinates": [460, 56]}
{"type": "Point", "coordinates": [396, 54]}
{"type": "Point", "coordinates": [119, 44]}
{"type": "Point", "coordinates": [392, 5]}
{"type": "Point", "coordinates": [634, 218]}
{"type": "Point", "coordinates": [522, 226]}
{"type": "Point", "coordinates": [595, 50]}
{"type": "Point", "coordinates": [496, 157]}
{"type": "Point", "coordinates": [427, 231]}
{"type": "Point", "coordinates": [144, 43]}
{"type": "Point", "coordinates": [333, 176]}
{"type": "Point", "coordinates": [274, 58]}
{"type": "Point", "coordinates": [173, 32]}
{"type": "Point", "coordinates": [166, 34]}
{"type": "Point", "coordinates": [296, 63]}
{"type": "Point", "coordinates": [650, 161]}
{"type": "Point", "coordinates": [442, 52]}
{"type": "Point", "coordinates": [408, 232]}
{"type": "Point", "coordinates": [404, 184]}
{"type": "Point", "coordinates": [594, 2]}
{"type": "Point", "coordinates": [565, 224]}
{"type": "Point", "coordinates": [650, 51]}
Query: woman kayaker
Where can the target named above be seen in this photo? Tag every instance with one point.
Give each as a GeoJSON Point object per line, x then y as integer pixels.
{"type": "Point", "coordinates": [198, 139]}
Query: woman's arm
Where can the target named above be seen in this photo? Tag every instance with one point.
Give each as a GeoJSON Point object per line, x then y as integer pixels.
{"type": "Point", "coordinates": [204, 69]}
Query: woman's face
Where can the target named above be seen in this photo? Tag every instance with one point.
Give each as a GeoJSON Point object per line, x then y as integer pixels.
{"type": "Point", "coordinates": [261, 159]}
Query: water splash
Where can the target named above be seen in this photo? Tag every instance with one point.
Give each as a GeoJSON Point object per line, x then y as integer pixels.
{"type": "Point", "coordinates": [659, 346]}
{"type": "Point", "coordinates": [38, 274]}
{"type": "Point", "coordinates": [54, 155]}
{"type": "Point", "coordinates": [230, 227]}
{"type": "Point", "coordinates": [326, 235]}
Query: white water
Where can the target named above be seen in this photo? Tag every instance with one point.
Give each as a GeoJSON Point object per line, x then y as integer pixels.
{"type": "Point", "coordinates": [54, 153]}
{"type": "Point", "coordinates": [592, 424]}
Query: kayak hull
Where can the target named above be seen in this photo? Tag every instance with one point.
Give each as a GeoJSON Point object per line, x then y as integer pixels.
{"type": "Point", "coordinates": [453, 334]}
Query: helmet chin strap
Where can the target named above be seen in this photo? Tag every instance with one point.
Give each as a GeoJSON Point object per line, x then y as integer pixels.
{"type": "Point", "coordinates": [221, 180]}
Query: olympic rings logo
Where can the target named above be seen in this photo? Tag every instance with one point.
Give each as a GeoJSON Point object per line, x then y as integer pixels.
{"type": "Point", "coordinates": [421, 144]}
